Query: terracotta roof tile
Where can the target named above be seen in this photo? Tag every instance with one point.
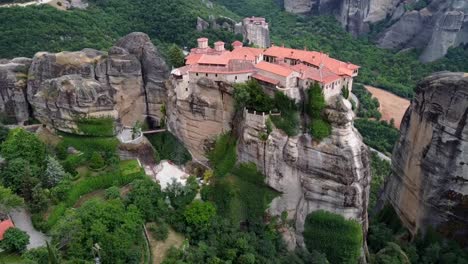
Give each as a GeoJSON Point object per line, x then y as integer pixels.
{"type": "Point", "coordinates": [274, 68]}
{"type": "Point", "coordinates": [4, 226]}
{"type": "Point", "coordinates": [264, 79]}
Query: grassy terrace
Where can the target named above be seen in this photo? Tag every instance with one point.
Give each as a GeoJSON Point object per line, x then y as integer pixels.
{"type": "Point", "coordinates": [128, 171]}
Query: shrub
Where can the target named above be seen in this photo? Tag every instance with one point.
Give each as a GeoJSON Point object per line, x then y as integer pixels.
{"type": "Point", "coordinates": [168, 147]}
{"type": "Point", "coordinates": [316, 102]}
{"type": "Point", "coordinates": [340, 239]}
{"type": "Point", "coordinates": [199, 214]}
{"type": "Point", "coordinates": [88, 185]}
{"type": "Point", "coordinates": [252, 96]}
{"type": "Point", "coordinates": [96, 162]}
{"type": "Point", "coordinates": [14, 240]}
{"type": "Point", "coordinates": [112, 193]}
{"type": "Point", "coordinates": [320, 129]}
{"type": "Point", "coordinates": [160, 231]}
{"type": "Point", "coordinates": [38, 255]}
{"type": "Point", "coordinates": [223, 156]}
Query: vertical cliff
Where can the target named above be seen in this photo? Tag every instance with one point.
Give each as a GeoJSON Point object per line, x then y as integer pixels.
{"type": "Point", "coordinates": [429, 181]}
{"type": "Point", "coordinates": [14, 106]}
{"type": "Point", "coordinates": [197, 114]}
{"type": "Point", "coordinates": [331, 175]}
{"type": "Point", "coordinates": [436, 28]}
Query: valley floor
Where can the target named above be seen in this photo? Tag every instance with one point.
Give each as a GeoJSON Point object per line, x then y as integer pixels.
{"type": "Point", "coordinates": [391, 106]}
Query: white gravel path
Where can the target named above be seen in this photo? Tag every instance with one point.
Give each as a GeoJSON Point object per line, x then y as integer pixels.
{"type": "Point", "coordinates": [22, 220]}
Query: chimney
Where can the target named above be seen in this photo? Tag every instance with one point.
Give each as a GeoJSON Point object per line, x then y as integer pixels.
{"type": "Point", "coordinates": [202, 43]}
{"type": "Point", "coordinates": [219, 46]}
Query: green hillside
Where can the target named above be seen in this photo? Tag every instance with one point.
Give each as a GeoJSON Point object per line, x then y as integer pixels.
{"type": "Point", "coordinates": [26, 31]}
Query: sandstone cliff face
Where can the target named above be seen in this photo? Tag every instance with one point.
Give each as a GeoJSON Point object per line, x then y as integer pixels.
{"type": "Point", "coordinates": [198, 114]}
{"type": "Point", "coordinates": [13, 104]}
{"type": "Point", "coordinates": [332, 175]}
{"type": "Point", "coordinates": [436, 28]}
{"type": "Point", "coordinates": [429, 181]}
{"type": "Point", "coordinates": [127, 83]}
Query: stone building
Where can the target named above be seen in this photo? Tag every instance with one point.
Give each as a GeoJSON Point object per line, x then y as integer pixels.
{"type": "Point", "coordinates": [255, 31]}
{"type": "Point", "coordinates": [276, 69]}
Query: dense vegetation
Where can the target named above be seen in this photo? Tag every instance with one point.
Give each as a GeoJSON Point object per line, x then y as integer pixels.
{"type": "Point", "coordinates": [340, 239]}
{"type": "Point", "coordinates": [168, 147]}
{"type": "Point", "coordinates": [379, 135]}
{"type": "Point", "coordinates": [380, 169]}
{"type": "Point", "coordinates": [368, 105]}
{"type": "Point", "coordinates": [252, 96]}
{"type": "Point", "coordinates": [388, 243]}
{"type": "Point", "coordinates": [320, 128]}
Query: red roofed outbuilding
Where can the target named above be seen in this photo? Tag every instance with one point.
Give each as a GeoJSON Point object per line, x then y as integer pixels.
{"type": "Point", "coordinates": [4, 226]}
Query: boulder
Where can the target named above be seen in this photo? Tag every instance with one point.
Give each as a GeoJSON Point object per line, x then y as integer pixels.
{"type": "Point", "coordinates": [127, 83]}
{"type": "Point", "coordinates": [428, 186]}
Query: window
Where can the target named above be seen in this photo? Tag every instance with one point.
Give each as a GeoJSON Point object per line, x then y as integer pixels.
{"type": "Point", "coordinates": [206, 74]}
{"type": "Point", "coordinates": [235, 77]}
{"type": "Point", "coordinates": [197, 73]}
{"type": "Point", "coordinates": [216, 75]}
{"type": "Point", "coordinates": [186, 89]}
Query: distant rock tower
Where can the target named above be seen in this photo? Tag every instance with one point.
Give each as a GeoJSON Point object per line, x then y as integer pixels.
{"type": "Point", "coordinates": [255, 31]}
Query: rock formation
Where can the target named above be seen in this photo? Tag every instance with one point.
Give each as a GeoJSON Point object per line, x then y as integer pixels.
{"type": "Point", "coordinates": [350, 13]}
{"type": "Point", "coordinates": [332, 175]}
{"type": "Point", "coordinates": [441, 25]}
{"type": "Point", "coordinates": [127, 83]}
{"type": "Point", "coordinates": [429, 181]}
{"type": "Point", "coordinates": [14, 108]}
{"type": "Point", "coordinates": [434, 29]}
{"type": "Point", "coordinates": [255, 31]}
{"type": "Point", "coordinates": [199, 113]}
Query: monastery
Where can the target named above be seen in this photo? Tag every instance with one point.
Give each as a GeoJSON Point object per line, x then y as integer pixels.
{"type": "Point", "coordinates": [275, 68]}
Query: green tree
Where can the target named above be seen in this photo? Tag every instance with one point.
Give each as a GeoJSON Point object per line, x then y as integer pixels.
{"type": "Point", "coordinates": [176, 56]}
{"type": "Point", "coordinates": [181, 195]}
{"type": "Point", "coordinates": [316, 101]}
{"type": "Point", "coordinates": [39, 200]}
{"type": "Point", "coordinates": [340, 239]}
{"type": "Point", "coordinates": [320, 129]}
{"type": "Point", "coordinates": [345, 92]}
{"type": "Point", "coordinates": [20, 176]}
{"type": "Point", "coordinates": [54, 172]}
{"type": "Point", "coordinates": [14, 240]}
{"type": "Point", "coordinates": [24, 145]}
{"type": "Point", "coordinates": [37, 255]}
{"type": "Point", "coordinates": [146, 195]}
{"type": "Point", "coordinates": [9, 200]}
{"type": "Point", "coordinates": [115, 228]}
{"type": "Point", "coordinates": [391, 254]}
{"type": "Point", "coordinates": [3, 133]}
{"type": "Point", "coordinates": [200, 214]}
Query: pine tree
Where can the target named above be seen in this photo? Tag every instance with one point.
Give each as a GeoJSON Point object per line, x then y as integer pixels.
{"type": "Point", "coordinates": [54, 172]}
{"type": "Point", "coordinates": [176, 56]}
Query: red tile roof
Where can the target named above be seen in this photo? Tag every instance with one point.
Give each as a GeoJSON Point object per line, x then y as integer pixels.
{"type": "Point", "coordinates": [237, 43]}
{"type": "Point", "coordinates": [264, 79]}
{"type": "Point", "coordinates": [323, 75]}
{"type": "Point", "coordinates": [246, 53]}
{"type": "Point", "coordinates": [274, 68]}
{"type": "Point", "coordinates": [313, 57]}
{"type": "Point", "coordinates": [4, 226]}
{"type": "Point", "coordinates": [222, 59]}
